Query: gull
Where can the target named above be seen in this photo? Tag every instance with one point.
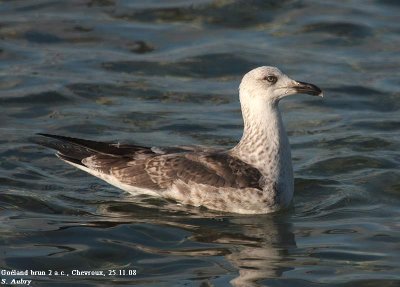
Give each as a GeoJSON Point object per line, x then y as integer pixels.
{"type": "Point", "coordinates": [254, 177]}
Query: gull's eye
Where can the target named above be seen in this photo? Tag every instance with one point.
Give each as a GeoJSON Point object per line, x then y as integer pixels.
{"type": "Point", "coordinates": [271, 79]}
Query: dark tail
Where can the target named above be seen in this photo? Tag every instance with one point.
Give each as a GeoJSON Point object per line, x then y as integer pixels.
{"type": "Point", "coordinates": [74, 149]}
{"type": "Point", "coordinates": [69, 149]}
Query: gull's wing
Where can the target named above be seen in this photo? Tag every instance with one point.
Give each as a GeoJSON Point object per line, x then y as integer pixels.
{"type": "Point", "coordinates": [218, 170]}
{"type": "Point", "coordinates": [184, 148]}
{"type": "Point", "coordinates": [80, 148]}
{"type": "Point", "coordinates": [83, 147]}
{"type": "Point", "coordinates": [194, 177]}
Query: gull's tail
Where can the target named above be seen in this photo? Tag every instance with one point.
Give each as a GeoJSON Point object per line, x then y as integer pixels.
{"type": "Point", "coordinates": [75, 150]}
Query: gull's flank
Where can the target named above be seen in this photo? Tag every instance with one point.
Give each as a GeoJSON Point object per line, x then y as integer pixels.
{"type": "Point", "coordinates": [255, 176]}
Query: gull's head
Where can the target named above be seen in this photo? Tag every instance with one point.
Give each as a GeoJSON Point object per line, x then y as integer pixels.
{"type": "Point", "coordinates": [270, 84]}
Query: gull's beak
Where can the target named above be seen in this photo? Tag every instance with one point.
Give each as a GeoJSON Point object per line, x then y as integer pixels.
{"type": "Point", "coordinates": [306, 88]}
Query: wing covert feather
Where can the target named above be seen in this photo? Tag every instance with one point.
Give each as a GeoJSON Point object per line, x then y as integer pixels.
{"type": "Point", "coordinates": [161, 171]}
{"type": "Point", "coordinates": [219, 170]}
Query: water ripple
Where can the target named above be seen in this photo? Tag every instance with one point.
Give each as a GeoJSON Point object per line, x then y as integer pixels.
{"type": "Point", "coordinates": [167, 73]}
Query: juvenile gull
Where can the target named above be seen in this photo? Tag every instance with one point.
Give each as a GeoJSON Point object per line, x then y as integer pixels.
{"type": "Point", "coordinates": [255, 176]}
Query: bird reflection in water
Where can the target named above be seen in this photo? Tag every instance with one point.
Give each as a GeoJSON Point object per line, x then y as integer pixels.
{"type": "Point", "coordinates": [257, 247]}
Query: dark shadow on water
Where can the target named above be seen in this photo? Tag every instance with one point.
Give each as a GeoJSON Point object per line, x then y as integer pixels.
{"type": "Point", "coordinates": [231, 14]}
{"type": "Point", "coordinates": [224, 65]}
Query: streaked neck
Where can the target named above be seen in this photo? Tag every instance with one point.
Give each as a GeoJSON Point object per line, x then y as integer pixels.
{"type": "Point", "coordinates": [264, 143]}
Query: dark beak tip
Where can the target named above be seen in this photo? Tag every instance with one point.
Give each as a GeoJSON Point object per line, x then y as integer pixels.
{"type": "Point", "coordinates": [306, 88]}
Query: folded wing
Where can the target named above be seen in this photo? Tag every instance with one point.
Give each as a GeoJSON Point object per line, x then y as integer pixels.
{"type": "Point", "coordinates": [155, 169]}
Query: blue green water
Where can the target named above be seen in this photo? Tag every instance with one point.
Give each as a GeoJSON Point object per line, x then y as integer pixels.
{"type": "Point", "coordinates": [167, 73]}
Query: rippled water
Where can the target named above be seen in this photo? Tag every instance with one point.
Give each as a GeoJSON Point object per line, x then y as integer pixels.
{"type": "Point", "coordinates": [166, 73]}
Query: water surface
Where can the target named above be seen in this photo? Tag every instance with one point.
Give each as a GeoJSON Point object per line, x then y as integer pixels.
{"type": "Point", "coordinates": [166, 73]}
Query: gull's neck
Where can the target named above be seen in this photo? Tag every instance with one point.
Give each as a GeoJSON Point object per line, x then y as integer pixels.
{"type": "Point", "coordinates": [264, 143]}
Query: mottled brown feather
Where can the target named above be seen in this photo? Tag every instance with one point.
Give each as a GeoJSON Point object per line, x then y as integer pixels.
{"type": "Point", "coordinates": [161, 168]}
{"type": "Point", "coordinates": [162, 171]}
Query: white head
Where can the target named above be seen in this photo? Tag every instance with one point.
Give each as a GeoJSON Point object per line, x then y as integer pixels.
{"type": "Point", "coordinates": [269, 84]}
